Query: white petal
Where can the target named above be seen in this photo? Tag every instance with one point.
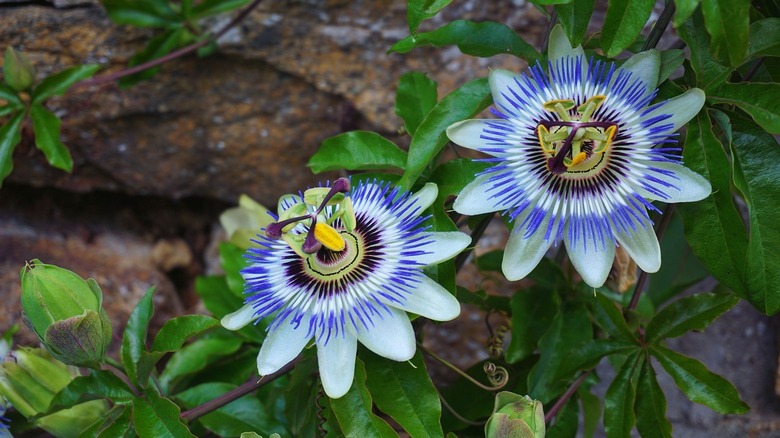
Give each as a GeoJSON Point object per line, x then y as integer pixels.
{"type": "Point", "coordinates": [442, 246]}
{"type": "Point", "coordinates": [425, 196]}
{"type": "Point", "coordinates": [431, 300]}
{"type": "Point", "coordinates": [560, 47]}
{"type": "Point", "coordinates": [468, 133]}
{"type": "Point", "coordinates": [682, 108]}
{"type": "Point", "coordinates": [500, 83]}
{"type": "Point", "coordinates": [592, 260]}
{"type": "Point", "coordinates": [684, 186]}
{"type": "Point", "coordinates": [645, 66]}
{"type": "Point", "coordinates": [337, 363]}
{"type": "Point", "coordinates": [391, 336]}
{"type": "Point", "coordinates": [642, 245]}
{"type": "Point", "coordinates": [239, 318]}
{"type": "Point", "coordinates": [282, 345]}
{"type": "Point", "coordinates": [523, 254]}
{"type": "Point", "coordinates": [474, 198]}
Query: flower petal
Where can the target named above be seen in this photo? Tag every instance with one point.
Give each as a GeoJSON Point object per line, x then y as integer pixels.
{"type": "Point", "coordinates": [676, 182]}
{"type": "Point", "coordinates": [282, 345]}
{"type": "Point", "coordinates": [522, 253]}
{"type": "Point", "coordinates": [429, 299]}
{"type": "Point", "coordinates": [391, 336]}
{"type": "Point", "coordinates": [500, 83]}
{"type": "Point", "coordinates": [336, 361]}
{"type": "Point", "coordinates": [425, 196]}
{"type": "Point", "coordinates": [642, 245]}
{"type": "Point", "coordinates": [681, 109]}
{"type": "Point", "coordinates": [560, 47]}
{"type": "Point", "coordinates": [591, 259]}
{"type": "Point", "coordinates": [468, 133]}
{"type": "Point", "coordinates": [645, 66]}
{"type": "Point", "coordinates": [474, 198]}
{"type": "Point", "coordinates": [239, 318]}
{"type": "Point", "coordinates": [442, 246]}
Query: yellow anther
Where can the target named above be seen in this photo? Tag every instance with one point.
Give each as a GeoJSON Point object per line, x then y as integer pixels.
{"type": "Point", "coordinates": [579, 158]}
{"type": "Point", "coordinates": [589, 107]}
{"type": "Point", "coordinates": [329, 237]}
{"type": "Point", "coordinates": [553, 105]}
{"type": "Point", "coordinates": [610, 134]}
{"type": "Point", "coordinates": [542, 133]}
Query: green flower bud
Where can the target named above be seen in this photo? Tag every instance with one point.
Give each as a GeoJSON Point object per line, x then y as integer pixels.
{"type": "Point", "coordinates": [19, 73]}
{"type": "Point", "coordinates": [242, 223]}
{"type": "Point", "coordinates": [66, 313]}
{"type": "Point", "coordinates": [515, 416]}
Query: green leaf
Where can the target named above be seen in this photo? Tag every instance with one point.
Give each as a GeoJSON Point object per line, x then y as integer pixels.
{"type": "Point", "coordinates": [302, 402]}
{"type": "Point", "coordinates": [710, 74]}
{"type": "Point", "coordinates": [238, 416]}
{"type": "Point", "coordinates": [550, 2]}
{"type": "Point", "coordinates": [760, 100]}
{"type": "Point", "coordinates": [231, 257]}
{"type": "Point", "coordinates": [9, 95]}
{"type": "Point", "coordinates": [619, 417]}
{"type": "Point", "coordinates": [713, 225]}
{"type": "Point", "coordinates": [357, 150]}
{"type": "Point", "coordinates": [574, 16]}
{"type": "Point", "coordinates": [196, 357]}
{"type": "Point", "coordinates": [10, 136]}
{"type": "Point", "coordinates": [757, 175]}
{"type": "Point", "coordinates": [728, 23]}
{"type": "Point", "coordinates": [684, 10]}
{"type": "Point", "coordinates": [157, 47]}
{"type": "Point", "coordinates": [591, 412]}
{"type": "Point", "coordinates": [566, 422]}
{"type": "Point", "coordinates": [429, 139]}
{"type": "Point", "coordinates": [217, 296]}
{"type": "Point", "coordinates": [671, 60]}
{"type": "Point", "coordinates": [586, 356]}
{"type": "Point", "coordinates": [176, 331]}
{"type": "Point", "coordinates": [213, 7]}
{"type": "Point", "coordinates": [415, 98]}
{"type": "Point", "coordinates": [404, 391]}
{"type": "Point", "coordinates": [58, 83]}
{"type": "Point", "coordinates": [569, 329]}
{"type": "Point", "coordinates": [142, 13]}
{"type": "Point", "coordinates": [99, 384]}
{"type": "Point", "coordinates": [695, 312]}
{"type": "Point", "coordinates": [158, 417]}
{"type": "Point", "coordinates": [650, 407]}
{"type": "Point", "coordinates": [624, 21]}
{"type": "Point", "coordinates": [533, 311]}
{"type": "Point", "coordinates": [353, 410]}
{"type": "Point", "coordinates": [764, 38]}
{"type": "Point", "coordinates": [46, 126]}
{"type": "Point", "coordinates": [700, 384]}
{"type": "Point", "coordinates": [418, 11]}
{"type": "Point", "coordinates": [116, 424]}
{"type": "Point", "coordinates": [476, 39]}
{"type": "Point", "coordinates": [617, 324]}
{"type": "Point", "coordinates": [134, 338]}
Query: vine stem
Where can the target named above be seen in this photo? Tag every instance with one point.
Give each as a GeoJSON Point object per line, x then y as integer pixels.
{"type": "Point", "coordinates": [457, 370]}
{"type": "Point", "coordinates": [476, 234]}
{"type": "Point", "coordinates": [241, 391]}
{"type": "Point", "coordinates": [111, 77]}
{"type": "Point", "coordinates": [565, 397]}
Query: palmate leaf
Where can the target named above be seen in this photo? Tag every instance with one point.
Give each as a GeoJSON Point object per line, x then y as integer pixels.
{"type": "Point", "coordinates": [156, 416]}
{"type": "Point", "coordinates": [695, 312]}
{"type": "Point", "coordinates": [710, 74]}
{"type": "Point", "coordinates": [623, 23]}
{"type": "Point", "coordinates": [619, 417]}
{"type": "Point", "coordinates": [99, 384]}
{"type": "Point", "coordinates": [115, 424]}
{"type": "Point", "coordinates": [533, 311]}
{"type": "Point", "coordinates": [760, 100]}
{"type": "Point", "coordinates": [574, 16]}
{"type": "Point", "coordinates": [650, 407]}
{"type": "Point", "coordinates": [728, 23]}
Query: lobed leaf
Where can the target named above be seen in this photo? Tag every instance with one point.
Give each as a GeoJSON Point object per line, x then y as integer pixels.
{"type": "Point", "coordinates": [710, 74]}
{"type": "Point", "coordinates": [695, 312]}
{"type": "Point", "coordinates": [357, 150]}
{"type": "Point", "coordinates": [615, 324]}
{"type": "Point", "coordinates": [115, 424]}
{"type": "Point", "coordinates": [586, 356]}
{"type": "Point", "coordinates": [764, 38]}
{"type": "Point", "coordinates": [760, 100]}
{"type": "Point", "coordinates": [158, 417]}
{"type": "Point", "coordinates": [650, 407]}
{"type": "Point", "coordinates": [684, 10]}
{"type": "Point", "coordinates": [533, 312]}
{"type": "Point", "coordinates": [574, 16]}
{"type": "Point", "coordinates": [623, 23]}
{"type": "Point", "coordinates": [99, 384]}
{"type": "Point", "coordinates": [728, 23]}
{"type": "Point", "coordinates": [619, 417]}
{"type": "Point", "coordinates": [566, 422]}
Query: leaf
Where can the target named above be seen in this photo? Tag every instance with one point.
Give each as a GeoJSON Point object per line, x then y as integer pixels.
{"type": "Point", "coordinates": [617, 324]}
{"type": "Point", "coordinates": [141, 13]}
{"type": "Point", "coordinates": [586, 356]}
{"type": "Point", "coordinates": [196, 357]}
{"type": "Point", "coordinates": [619, 417]}
{"type": "Point", "coordinates": [566, 422]}
{"type": "Point", "coordinates": [695, 312]}
{"type": "Point", "coordinates": [757, 175]}
{"type": "Point", "coordinates": [357, 150]}
{"type": "Point", "coordinates": [533, 312]}
{"type": "Point", "coordinates": [700, 384]}
{"type": "Point", "coordinates": [713, 225]}
{"type": "Point", "coordinates": [58, 83]}
{"type": "Point", "coordinates": [238, 416]}
{"type": "Point", "coordinates": [116, 424]}
{"type": "Point", "coordinates": [569, 329]}
{"type": "Point", "coordinates": [728, 23]}
{"type": "Point", "coordinates": [418, 11]}
{"type": "Point", "coordinates": [574, 17]}
{"type": "Point", "coordinates": [483, 39]}
{"type": "Point", "coordinates": [353, 410]}
{"type": "Point", "coordinates": [760, 100]}
{"type": "Point", "coordinates": [231, 257]}
{"type": "Point", "coordinates": [176, 331]}
{"type": "Point", "coordinates": [415, 98]}
{"type": "Point", "coordinates": [764, 38]}
{"type": "Point", "coordinates": [9, 95]}
{"type": "Point", "coordinates": [650, 407]}
{"type": "Point", "coordinates": [623, 23]}
{"type": "Point", "coordinates": [429, 139]}
{"type": "Point", "coordinates": [591, 411]}
{"type": "Point", "coordinates": [217, 296]}
{"type": "Point", "coordinates": [10, 136]}
{"type": "Point", "coordinates": [158, 417]}
{"type": "Point", "coordinates": [213, 7]}
{"type": "Point", "coordinates": [157, 47]}
{"type": "Point", "coordinates": [134, 338]}
{"type": "Point", "coordinates": [99, 384]}
{"type": "Point", "coordinates": [47, 138]}
{"type": "Point", "coordinates": [710, 74]}
{"type": "Point", "coordinates": [671, 60]}
{"type": "Point", "coordinates": [404, 391]}
{"type": "Point", "coordinates": [685, 9]}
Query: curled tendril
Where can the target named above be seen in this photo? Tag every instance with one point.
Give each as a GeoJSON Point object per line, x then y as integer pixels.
{"type": "Point", "coordinates": [495, 344]}
{"type": "Point", "coordinates": [498, 376]}
{"type": "Point", "coordinates": [321, 420]}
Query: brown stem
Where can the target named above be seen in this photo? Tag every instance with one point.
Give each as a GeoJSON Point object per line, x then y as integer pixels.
{"type": "Point", "coordinates": [111, 77]}
{"type": "Point", "coordinates": [565, 397]}
{"type": "Point", "coordinates": [239, 392]}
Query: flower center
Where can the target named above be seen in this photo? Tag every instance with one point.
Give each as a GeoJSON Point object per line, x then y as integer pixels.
{"type": "Point", "coordinates": [327, 264]}
{"type": "Point", "coordinates": [574, 143]}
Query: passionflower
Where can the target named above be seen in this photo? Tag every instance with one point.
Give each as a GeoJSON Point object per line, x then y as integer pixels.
{"type": "Point", "coordinates": [344, 264]}
{"type": "Point", "coordinates": [579, 153]}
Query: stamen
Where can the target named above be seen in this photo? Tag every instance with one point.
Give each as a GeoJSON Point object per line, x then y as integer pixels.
{"type": "Point", "coordinates": [274, 230]}
{"type": "Point", "coordinates": [329, 237]}
{"type": "Point", "coordinates": [311, 244]}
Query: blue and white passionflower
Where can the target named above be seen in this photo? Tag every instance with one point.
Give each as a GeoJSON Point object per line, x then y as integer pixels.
{"type": "Point", "coordinates": [343, 265]}
{"type": "Point", "coordinates": [579, 155]}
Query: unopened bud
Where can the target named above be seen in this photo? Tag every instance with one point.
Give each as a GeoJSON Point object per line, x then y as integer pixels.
{"type": "Point", "coordinates": [18, 72]}
{"type": "Point", "coordinates": [515, 416]}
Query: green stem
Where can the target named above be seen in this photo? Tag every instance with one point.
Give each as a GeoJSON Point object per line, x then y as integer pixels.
{"type": "Point", "coordinates": [476, 234]}
{"type": "Point", "coordinates": [457, 370]}
{"type": "Point", "coordinates": [660, 26]}
{"type": "Point", "coordinates": [117, 365]}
